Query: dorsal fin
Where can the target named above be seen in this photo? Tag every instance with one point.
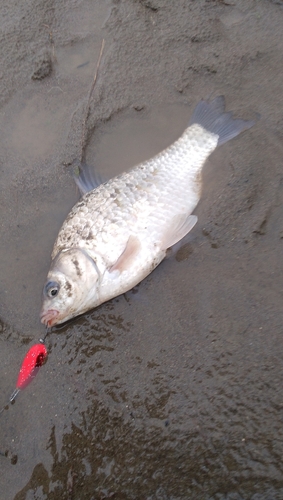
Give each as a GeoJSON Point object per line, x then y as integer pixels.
{"type": "Point", "coordinates": [86, 178]}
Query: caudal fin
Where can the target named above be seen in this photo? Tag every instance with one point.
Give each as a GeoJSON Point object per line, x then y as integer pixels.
{"type": "Point", "coordinates": [212, 117]}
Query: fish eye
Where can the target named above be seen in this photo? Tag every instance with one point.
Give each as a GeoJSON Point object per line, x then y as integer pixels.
{"type": "Point", "coordinates": [51, 289]}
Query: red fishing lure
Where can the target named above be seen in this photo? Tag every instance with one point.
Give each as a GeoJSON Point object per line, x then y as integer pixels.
{"type": "Point", "coordinates": [33, 360]}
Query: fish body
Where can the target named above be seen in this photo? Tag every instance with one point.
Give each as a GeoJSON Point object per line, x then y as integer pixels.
{"type": "Point", "coordinates": [119, 232]}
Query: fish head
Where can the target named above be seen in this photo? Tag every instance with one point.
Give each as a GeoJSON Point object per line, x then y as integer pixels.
{"type": "Point", "coordinates": [71, 283]}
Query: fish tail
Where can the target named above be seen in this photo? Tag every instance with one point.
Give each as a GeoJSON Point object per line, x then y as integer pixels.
{"type": "Point", "coordinates": [212, 117]}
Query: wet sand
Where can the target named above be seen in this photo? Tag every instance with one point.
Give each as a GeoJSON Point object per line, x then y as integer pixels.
{"type": "Point", "coordinates": [173, 390]}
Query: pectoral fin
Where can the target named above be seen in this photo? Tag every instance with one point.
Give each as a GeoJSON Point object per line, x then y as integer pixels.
{"type": "Point", "coordinates": [127, 257]}
{"type": "Point", "coordinates": [180, 226]}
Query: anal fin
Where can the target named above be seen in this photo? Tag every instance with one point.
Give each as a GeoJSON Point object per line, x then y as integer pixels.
{"type": "Point", "coordinates": [180, 226]}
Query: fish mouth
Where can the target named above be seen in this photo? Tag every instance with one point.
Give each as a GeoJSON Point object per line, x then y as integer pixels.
{"type": "Point", "coordinates": [48, 318]}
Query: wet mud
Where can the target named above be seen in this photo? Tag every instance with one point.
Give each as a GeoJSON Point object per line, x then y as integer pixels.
{"type": "Point", "coordinates": [173, 390]}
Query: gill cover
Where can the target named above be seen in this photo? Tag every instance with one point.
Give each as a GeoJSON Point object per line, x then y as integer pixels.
{"type": "Point", "coordinates": [80, 261]}
{"type": "Point", "coordinates": [72, 280]}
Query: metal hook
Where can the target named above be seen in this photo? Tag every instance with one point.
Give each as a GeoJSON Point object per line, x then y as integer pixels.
{"type": "Point", "coordinates": [42, 340]}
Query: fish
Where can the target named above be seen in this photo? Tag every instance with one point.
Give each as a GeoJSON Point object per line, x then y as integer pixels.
{"type": "Point", "coordinates": [121, 229]}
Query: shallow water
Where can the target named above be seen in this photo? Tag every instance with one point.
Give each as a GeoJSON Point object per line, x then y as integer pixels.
{"type": "Point", "coordinates": [173, 390]}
